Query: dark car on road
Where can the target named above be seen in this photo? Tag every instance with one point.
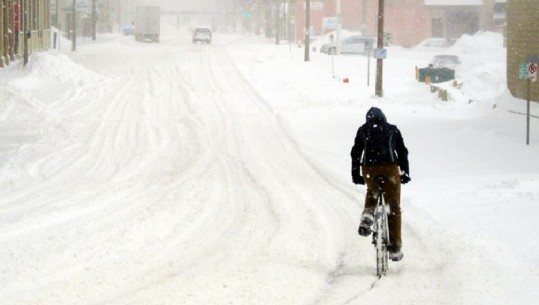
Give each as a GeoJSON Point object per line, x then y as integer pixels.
{"type": "Point", "coordinates": [128, 29]}
{"type": "Point", "coordinates": [202, 35]}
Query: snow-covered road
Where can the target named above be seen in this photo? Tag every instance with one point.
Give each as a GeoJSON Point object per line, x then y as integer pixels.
{"type": "Point", "coordinates": [167, 178]}
{"type": "Point", "coordinates": [158, 174]}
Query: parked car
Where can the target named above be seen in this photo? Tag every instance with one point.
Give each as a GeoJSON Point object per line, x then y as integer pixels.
{"type": "Point", "coordinates": [350, 45]}
{"type": "Point", "coordinates": [445, 61]}
{"type": "Point", "coordinates": [202, 35]}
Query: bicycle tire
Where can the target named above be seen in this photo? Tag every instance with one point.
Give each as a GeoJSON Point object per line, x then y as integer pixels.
{"type": "Point", "coordinates": [381, 240]}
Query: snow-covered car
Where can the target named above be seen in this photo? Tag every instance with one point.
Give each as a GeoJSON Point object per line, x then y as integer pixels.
{"type": "Point", "coordinates": [202, 35]}
{"type": "Point", "coordinates": [445, 61]}
{"type": "Point", "coordinates": [350, 45]}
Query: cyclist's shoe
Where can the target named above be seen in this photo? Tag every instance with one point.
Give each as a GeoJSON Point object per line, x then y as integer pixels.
{"type": "Point", "coordinates": [364, 231]}
{"type": "Point", "coordinates": [365, 226]}
{"type": "Point", "coordinates": [367, 220]}
{"type": "Point", "coordinates": [395, 254]}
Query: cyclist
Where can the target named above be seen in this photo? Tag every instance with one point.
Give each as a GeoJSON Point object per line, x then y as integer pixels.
{"type": "Point", "coordinates": [379, 150]}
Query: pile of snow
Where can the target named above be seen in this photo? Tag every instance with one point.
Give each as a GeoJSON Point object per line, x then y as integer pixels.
{"type": "Point", "coordinates": [16, 106]}
{"type": "Point", "coordinates": [48, 68]}
{"type": "Point", "coordinates": [483, 69]}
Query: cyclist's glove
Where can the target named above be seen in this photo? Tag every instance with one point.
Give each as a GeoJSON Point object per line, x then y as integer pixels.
{"type": "Point", "coordinates": [358, 180]}
{"type": "Point", "coordinates": [356, 176]}
{"type": "Point", "coordinates": [405, 178]}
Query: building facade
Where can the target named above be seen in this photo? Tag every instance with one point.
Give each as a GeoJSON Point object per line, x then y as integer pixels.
{"type": "Point", "coordinates": [522, 46]}
{"type": "Point", "coordinates": [105, 12]}
{"type": "Point", "coordinates": [407, 22]}
{"type": "Point", "coordinates": [25, 28]}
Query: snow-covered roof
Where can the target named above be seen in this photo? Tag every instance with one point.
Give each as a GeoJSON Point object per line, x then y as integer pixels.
{"type": "Point", "coordinates": [453, 2]}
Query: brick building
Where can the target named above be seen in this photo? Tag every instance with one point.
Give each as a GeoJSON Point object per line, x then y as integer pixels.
{"type": "Point", "coordinates": [24, 28]}
{"type": "Point", "coordinates": [407, 22]}
{"type": "Point", "coordinates": [107, 14]}
{"type": "Point", "coordinates": [522, 45]}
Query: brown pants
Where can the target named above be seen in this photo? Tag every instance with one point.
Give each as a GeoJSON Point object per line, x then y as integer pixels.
{"type": "Point", "coordinates": [392, 189]}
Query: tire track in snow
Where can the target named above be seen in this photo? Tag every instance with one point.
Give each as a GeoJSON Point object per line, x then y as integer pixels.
{"type": "Point", "coordinates": [255, 102]}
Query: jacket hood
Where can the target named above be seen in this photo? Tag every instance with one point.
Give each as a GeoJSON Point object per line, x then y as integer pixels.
{"type": "Point", "coordinates": [375, 115]}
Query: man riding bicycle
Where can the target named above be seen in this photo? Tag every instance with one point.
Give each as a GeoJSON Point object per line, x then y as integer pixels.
{"type": "Point", "coordinates": [379, 150]}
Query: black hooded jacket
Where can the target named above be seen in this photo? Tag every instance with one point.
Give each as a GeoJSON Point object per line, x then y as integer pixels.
{"type": "Point", "coordinates": [378, 142]}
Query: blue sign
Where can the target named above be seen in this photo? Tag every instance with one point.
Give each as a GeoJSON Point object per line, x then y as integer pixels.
{"type": "Point", "coordinates": [380, 53]}
{"type": "Point", "coordinates": [330, 23]}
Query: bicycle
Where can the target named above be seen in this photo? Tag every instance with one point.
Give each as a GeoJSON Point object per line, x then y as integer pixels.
{"type": "Point", "coordinates": [380, 229]}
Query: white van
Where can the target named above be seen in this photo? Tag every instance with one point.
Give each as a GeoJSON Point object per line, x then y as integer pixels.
{"type": "Point", "coordinates": [350, 45]}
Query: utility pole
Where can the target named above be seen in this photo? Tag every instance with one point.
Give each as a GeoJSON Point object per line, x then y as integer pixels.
{"type": "Point", "coordinates": [15, 15]}
{"type": "Point", "coordinates": [289, 24]}
{"type": "Point", "coordinates": [58, 23]}
{"type": "Point", "coordinates": [277, 20]}
{"type": "Point", "coordinates": [257, 16]}
{"type": "Point", "coordinates": [307, 28]}
{"type": "Point", "coordinates": [94, 20]}
{"type": "Point", "coordinates": [266, 19]}
{"type": "Point", "coordinates": [74, 26]}
{"type": "Point", "coordinates": [379, 61]}
{"type": "Point", "coordinates": [4, 38]}
{"type": "Point", "coordinates": [57, 15]}
{"type": "Point", "coordinates": [339, 27]}
{"type": "Point", "coordinates": [26, 31]}
{"type": "Point", "coordinates": [109, 27]}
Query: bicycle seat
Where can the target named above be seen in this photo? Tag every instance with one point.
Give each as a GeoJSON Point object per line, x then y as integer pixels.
{"type": "Point", "coordinates": [380, 180]}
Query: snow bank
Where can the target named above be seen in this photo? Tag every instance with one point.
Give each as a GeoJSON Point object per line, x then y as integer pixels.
{"type": "Point", "coordinates": [483, 68]}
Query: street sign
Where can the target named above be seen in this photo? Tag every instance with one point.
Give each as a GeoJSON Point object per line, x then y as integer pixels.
{"type": "Point", "coordinates": [532, 71]}
{"type": "Point", "coordinates": [531, 68]}
{"type": "Point", "coordinates": [380, 53]}
{"type": "Point", "coordinates": [315, 5]}
{"type": "Point", "coordinates": [523, 71]}
{"type": "Point", "coordinates": [330, 23]}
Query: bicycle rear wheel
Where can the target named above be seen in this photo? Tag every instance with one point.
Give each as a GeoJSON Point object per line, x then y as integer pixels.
{"type": "Point", "coordinates": [381, 240]}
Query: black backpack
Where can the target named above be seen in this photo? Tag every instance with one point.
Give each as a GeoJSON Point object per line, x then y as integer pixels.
{"type": "Point", "coordinates": [379, 144]}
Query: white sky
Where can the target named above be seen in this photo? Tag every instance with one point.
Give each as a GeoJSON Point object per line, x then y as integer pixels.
{"type": "Point", "coordinates": [181, 4]}
{"type": "Point", "coordinates": [453, 2]}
